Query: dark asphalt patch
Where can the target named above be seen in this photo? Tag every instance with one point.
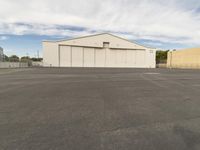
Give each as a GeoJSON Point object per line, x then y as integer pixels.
{"type": "Point", "coordinates": [100, 109]}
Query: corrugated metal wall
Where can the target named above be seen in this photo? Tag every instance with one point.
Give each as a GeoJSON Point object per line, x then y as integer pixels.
{"type": "Point", "coordinates": [189, 58]}
{"type": "Point", "coordinates": [71, 56]}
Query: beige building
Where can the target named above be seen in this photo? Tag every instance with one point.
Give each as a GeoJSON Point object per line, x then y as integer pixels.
{"type": "Point", "coordinates": [187, 58]}
{"type": "Point", "coordinates": [102, 50]}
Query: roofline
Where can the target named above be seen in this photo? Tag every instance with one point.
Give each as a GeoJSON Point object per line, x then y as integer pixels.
{"type": "Point", "coordinates": [98, 35]}
{"type": "Point", "coordinates": [54, 41]}
{"type": "Point", "coordinates": [133, 42]}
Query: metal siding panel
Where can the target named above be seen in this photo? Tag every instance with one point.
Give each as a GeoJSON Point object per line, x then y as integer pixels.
{"type": "Point", "coordinates": [77, 57]}
{"type": "Point", "coordinates": [89, 57]}
{"type": "Point", "coordinates": [131, 58]}
{"type": "Point", "coordinates": [140, 58]}
{"type": "Point", "coordinates": [116, 58]}
{"type": "Point", "coordinates": [120, 58]}
{"type": "Point", "coordinates": [93, 57]}
{"type": "Point", "coordinates": [111, 58]}
{"type": "Point", "coordinates": [50, 54]}
{"type": "Point", "coordinates": [100, 57]}
{"type": "Point", "coordinates": [150, 58]}
{"type": "Point", "coordinates": [65, 56]}
{"type": "Point", "coordinates": [97, 42]}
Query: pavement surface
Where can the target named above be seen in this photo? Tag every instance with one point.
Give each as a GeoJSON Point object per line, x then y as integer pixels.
{"type": "Point", "coordinates": [99, 109]}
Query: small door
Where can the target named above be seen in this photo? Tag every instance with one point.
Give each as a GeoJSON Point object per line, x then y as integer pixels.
{"type": "Point", "coordinates": [152, 60]}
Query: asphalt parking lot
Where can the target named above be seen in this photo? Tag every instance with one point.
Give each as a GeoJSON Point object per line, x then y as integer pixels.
{"type": "Point", "coordinates": [99, 109]}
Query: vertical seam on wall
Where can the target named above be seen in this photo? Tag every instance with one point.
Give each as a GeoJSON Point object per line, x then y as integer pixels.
{"type": "Point", "coordinates": [71, 55]}
{"type": "Point", "coordinates": [83, 56]}
{"type": "Point", "coordinates": [94, 57]}
{"type": "Point", "coordinates": [145, 53]}
{"type": "Point", "coordinates": [59, 55]}
{"type": "Point", "coordinates": [126, 62]}
{"type": "Point", "coordinates": [105, 63]}
{"type": "Point", "coordinates": [135, 58]}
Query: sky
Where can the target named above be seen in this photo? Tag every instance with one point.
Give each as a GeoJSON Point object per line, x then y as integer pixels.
{"type": "Point", "coordinates": [171, 24]}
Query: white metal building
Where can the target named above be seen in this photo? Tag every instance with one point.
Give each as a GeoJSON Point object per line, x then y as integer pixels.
{"type": "Point", "coordinates": [102, 50]}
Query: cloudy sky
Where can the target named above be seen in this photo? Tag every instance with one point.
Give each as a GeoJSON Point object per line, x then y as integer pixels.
{"type": "Point", "coordinates": [171, 24]}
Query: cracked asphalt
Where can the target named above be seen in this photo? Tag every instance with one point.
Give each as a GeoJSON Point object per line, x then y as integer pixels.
{"type": "Point", "coordinates": [99, 109]}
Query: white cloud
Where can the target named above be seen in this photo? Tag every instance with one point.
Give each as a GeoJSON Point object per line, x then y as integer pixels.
{"type": "Point", "coordinates": [173, 21]}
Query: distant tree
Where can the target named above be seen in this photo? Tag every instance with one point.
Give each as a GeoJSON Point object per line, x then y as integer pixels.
{"type": "Point", "coordinates": [5, 58]}
{"type": "Point", "coordinates": [161, 56]}
{"type": "Point", "coordinates": [14, 58]}
{"type": "Point", "coordinates": [36, 59]}
{"type": "Point", "coordinates": [25, 59]}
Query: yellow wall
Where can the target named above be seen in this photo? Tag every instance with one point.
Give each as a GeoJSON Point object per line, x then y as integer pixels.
{"type": "Point", "coordinates": [188, 58]}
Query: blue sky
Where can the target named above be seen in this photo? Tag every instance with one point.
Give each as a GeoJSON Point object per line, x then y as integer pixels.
{"type": "Point", "coordinates": [24, 45]}
{"type": "Point", "coordinates": [172, 24]}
